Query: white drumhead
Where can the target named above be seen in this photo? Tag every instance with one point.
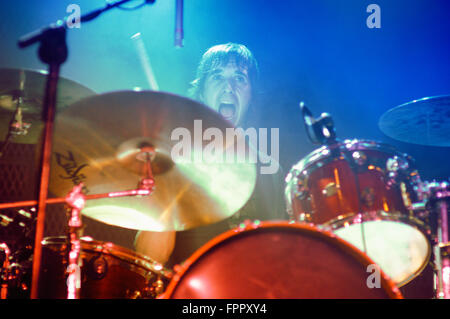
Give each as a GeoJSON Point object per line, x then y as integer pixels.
{"type": "Point", "coordinates": [399, 249]}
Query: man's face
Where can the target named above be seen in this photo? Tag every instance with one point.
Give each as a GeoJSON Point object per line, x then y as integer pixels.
{"type": "Point", "coordinates": [227, 90]}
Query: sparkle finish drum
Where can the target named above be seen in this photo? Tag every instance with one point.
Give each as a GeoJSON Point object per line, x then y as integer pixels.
{"type": "Point", "coordinates": [264, 260]}
{"type": "Point", "coordinates": [363, 191]}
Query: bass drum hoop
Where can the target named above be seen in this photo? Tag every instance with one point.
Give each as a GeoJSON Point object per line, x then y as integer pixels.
{"type": "Point", "coordinates": [249, 227]}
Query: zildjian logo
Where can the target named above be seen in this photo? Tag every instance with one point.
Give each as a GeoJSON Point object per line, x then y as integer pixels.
{"type": "Point", "coordinates": [71, 168]}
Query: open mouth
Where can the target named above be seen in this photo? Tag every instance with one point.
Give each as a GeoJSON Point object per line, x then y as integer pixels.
{"type": "Point", "coordinates": [227, 110]}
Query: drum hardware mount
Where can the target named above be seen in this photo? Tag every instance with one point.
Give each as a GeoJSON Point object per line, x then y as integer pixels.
{"type": "Point", "coordinates": [353, 164]}
{"type": "Point", "coordinates": [147, 154]}
{"type": "Point", "coordinates": [152, 290]}
{"type": "Point", "coordinates": [435, 198]}
{"type": "Point", "coordinates": [5, 272]}
{"type": "Point", "coordinates": [17, 126]}
{"type": "Point", "coordinates": [439, 204]}
{"type": "Point", "coordinates": [322, 131]}
{"type": "Point", "coordinates": [76, 200]}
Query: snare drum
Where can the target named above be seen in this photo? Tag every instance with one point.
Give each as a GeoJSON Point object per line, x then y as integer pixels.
{"type": "Point", "coordinates": [285, 260]}
{"type": "Point", "coordinates": [363, 191]}
{"type": "Point", "coordinates": [108, 271]}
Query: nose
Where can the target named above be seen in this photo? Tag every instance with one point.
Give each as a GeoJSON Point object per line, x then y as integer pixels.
{"type": "Point", "coordinates": [228, 86]}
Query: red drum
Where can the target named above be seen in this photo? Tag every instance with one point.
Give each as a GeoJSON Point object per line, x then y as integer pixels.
{"type": "Point", "coordinates": [108, 271]}
{"type": "Point", "coordinates": [363, 191]}
{"type": "Point", "coordinates": [283, 260]}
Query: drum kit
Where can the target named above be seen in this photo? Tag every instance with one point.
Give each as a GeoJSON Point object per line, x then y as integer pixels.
{"type": "Point", "coordinates": [362, 222]}
{"type": "Point", "coordinates": [116, 169]}
{"type": "Point", "coordinates": [357, 202]}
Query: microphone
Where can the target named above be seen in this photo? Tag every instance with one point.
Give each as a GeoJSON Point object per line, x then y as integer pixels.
{"type": "Point", "coordinates": [320, 130]}
{"type": "Point", "coordinates": [179, 36]}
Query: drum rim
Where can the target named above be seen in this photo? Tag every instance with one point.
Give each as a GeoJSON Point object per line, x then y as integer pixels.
{"type": "Point", "coordinates": [249, 226]}
{"type": "Point", "coordinates": [324, 152]}
{"type": "Point", "coordinates": [392, 216]}
{"type": "Point", "coordinates": [121, 253]}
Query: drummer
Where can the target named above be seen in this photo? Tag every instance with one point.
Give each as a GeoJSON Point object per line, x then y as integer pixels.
{"type": "Point", "coordinates": [226, 82]}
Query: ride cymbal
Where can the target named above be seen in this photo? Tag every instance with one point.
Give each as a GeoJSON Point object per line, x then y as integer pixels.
{"type": "Point", "coordinates": [425, 121]}
{"type": "Point", "coordinates": [103, 142]}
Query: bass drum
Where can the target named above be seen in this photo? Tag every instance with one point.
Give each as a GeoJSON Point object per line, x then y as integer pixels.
{"type": "Point", "coordinates": [265, 260]}
{"type": "Point", "coordinates": [108, 271]}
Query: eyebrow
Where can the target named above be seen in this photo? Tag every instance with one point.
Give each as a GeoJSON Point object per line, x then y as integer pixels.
{"type": "Point", "coordinates": [220, 69]}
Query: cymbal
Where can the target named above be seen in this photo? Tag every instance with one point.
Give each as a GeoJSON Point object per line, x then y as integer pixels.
{"type": "Point", "coordinates": [29, 86]}
{"type": "Point", "coordinates": [102, 140]}
{"type": "Point", "coordinates": [425, 121]}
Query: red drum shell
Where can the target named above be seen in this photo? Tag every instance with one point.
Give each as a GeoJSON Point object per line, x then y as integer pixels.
{"type": "Point", "coordinates": [280, 260]}
{"type": "Point", "coordinates": [108, 271]}
{"type": "Point", "coordinates": [354, 185]}
{"type": "Point", "coordinates": [323, 188]}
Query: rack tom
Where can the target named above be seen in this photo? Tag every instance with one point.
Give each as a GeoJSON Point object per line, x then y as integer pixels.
{"type": "Point", "coordinates": [363, 191]}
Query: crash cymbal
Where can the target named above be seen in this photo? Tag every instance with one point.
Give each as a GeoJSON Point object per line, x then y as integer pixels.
{"type": "Point", "coordinates": [26, 88]}
{"type": "Point", "coordinates": [103, 141]}
{"type": "Point", "coordinates": [425, 121]}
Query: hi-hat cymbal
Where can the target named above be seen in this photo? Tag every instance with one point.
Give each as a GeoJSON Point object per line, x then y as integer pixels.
{"type": "Point", "coordinates": [27, 88]}
{"type": "Point", "coordinates": [424, 122]}
{"type": "Point", "coordinates": [102, 141]}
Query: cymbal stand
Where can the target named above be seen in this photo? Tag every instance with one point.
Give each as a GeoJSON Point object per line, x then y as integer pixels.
{"type": "Point", "coordinates": [440, 200]}
{"type": "Point", "coordinates": [76, 201]}
{"type": "Point", "coordinates": [62, 200]}
{"type": "Point", "coordinates": [5, 272]}
{"type": "Point", "coordinates": [17, 126]}
{"type": "Point", "coordinates": [147, 155]}
{"type": "Point", "coordinates": [52, 51]}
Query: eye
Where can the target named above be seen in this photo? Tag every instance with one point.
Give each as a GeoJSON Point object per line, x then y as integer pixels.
{"type": "Point", "coordinates": [217, 77]}
{"type": "Point", "coordinates": [241, 79]}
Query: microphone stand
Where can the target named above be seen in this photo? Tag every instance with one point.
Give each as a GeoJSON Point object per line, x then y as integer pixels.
{"type": "Point", "coordinates": [53, 51]}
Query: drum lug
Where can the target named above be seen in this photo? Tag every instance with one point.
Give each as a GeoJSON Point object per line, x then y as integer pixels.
{"type": "Point", "coordinates": [301, 192]}
{"type": "Point", "coordinates": [98, 267]}
{"type": "Point", "coordinates": [359, 157]}
{"type": "Point", "coordinates": [133, 295]}
{"type": "Point", "coordinates": [153, 289]}
{"type": "Point", "coordinates": [368, 196]}
{"type": "Point", "coordinates": [158, 287]}
{"type": "Point", "coordinates": [394, 165]}
{"type": "Point", "coordinates": [330, 189]}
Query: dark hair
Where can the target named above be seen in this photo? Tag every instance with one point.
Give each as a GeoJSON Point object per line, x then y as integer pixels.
{"type": "Point", "coordinates": [221, 55]}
